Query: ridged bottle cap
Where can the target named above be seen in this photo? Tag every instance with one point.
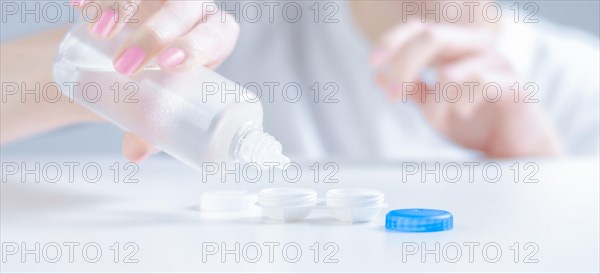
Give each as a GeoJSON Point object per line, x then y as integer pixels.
{"type": "Point", "coordinates": [418, 220]}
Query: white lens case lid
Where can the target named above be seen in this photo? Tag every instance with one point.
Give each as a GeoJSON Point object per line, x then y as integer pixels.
{"type": "Point", "coordinates": [356, 214]}
{"type": "Point", "coordinates": [287, 204]}
{"type": "Point", "coordinates": [354, 197]}
{"type": "Point", "coordinates": [292, 203]}
{"type": "Point", "coordinates": [353, 205]}
{"type": "Point", "coordinates": [347, 205]}
{"type": "Point", "coordinates": [354, 193]}
{"type": "Point", "coordinates": [286, 193]}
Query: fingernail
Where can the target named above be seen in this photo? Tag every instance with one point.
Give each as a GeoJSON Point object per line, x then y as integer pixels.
{"type": "Point", "coordinates": [377, 58]}
{"type": "Point", "coordinates": [171, 58]}
{"type": "Point", "coordinates": [106, 23]}
{"type": "Point", "coordinates": [142, 158]}
{"type": "Point", "coordinates": [78, 3]}
{"type": "Point", "coordinates": [130, 60]}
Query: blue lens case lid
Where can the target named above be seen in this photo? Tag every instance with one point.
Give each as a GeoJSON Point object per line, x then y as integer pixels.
{"type": "Point", "coordinates": [418, 220]}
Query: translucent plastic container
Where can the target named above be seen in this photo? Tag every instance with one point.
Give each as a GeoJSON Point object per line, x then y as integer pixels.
{"type": "Point", "coordinates": [194, 116]}
{"type": "Point", "coordinates": [287, 204]}
{"type": "Point", "coordinates": [353, 205]}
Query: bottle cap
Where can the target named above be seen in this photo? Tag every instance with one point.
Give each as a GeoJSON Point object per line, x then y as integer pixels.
{"type": "Point", "coordinates": [418, 220]}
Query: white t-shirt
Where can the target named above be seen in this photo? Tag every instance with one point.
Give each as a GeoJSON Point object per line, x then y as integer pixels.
{"type": "Point", "coordinates": [363, 124]}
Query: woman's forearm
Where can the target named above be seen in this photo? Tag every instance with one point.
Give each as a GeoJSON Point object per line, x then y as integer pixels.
{"type": "Point", "coordinates": [26, 107]}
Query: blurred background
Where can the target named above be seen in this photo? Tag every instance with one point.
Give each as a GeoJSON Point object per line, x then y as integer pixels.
{"type": "Point", "coordinates": [582, 15]}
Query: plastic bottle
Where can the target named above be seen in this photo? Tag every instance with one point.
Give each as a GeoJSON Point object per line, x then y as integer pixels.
{"type": "Point", "coordinates": [194, 116]}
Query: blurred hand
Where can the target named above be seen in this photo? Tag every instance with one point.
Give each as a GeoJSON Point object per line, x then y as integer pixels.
{"type": "Point", "coordinates": [179, 34]}
{"type": "Point", "coordinates": [463, 57]}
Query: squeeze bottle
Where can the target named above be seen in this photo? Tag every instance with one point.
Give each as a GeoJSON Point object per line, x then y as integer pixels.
{"type": "Point", "coordinates": [195, 116]}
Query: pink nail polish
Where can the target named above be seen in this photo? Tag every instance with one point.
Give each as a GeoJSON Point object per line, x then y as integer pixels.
{"type": "Point", "coordinates": [130, 60]}
{"type": "Point", "coordinates": [77, 3]}
{"type": "Point", "coordinates": [106, 23]}
{"type": "Point", "coordinates": [171, 58]}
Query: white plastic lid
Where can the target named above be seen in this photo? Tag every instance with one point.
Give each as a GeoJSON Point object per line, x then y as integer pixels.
{"type": "Point", "coordinates": [353, 197]}
{"type": "Point", "coordinates": [287, 197]}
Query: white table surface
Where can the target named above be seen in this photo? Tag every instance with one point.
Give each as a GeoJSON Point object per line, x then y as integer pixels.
{"type": "Point", "coordinates": [557, 219]}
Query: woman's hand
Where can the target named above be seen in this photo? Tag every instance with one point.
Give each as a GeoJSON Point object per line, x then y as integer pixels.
{"type": "Point", "coordinates": [465, 60]}
{"type": "Point", "coordinates": [180, 35]}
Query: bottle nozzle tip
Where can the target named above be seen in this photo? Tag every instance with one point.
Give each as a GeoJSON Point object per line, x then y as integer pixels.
{"type": "Point", "coordinates": [282, 160]}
